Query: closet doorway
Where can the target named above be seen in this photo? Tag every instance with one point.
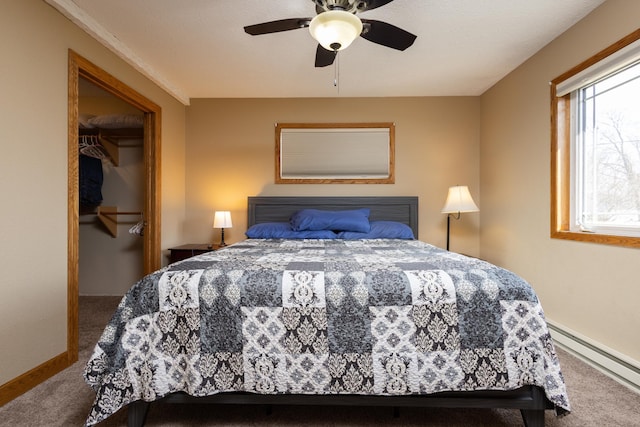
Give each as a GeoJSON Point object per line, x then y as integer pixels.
{"type": "Point", "coordinates": [81, 69]}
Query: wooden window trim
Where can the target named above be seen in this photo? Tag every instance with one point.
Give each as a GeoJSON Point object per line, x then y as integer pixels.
{"type": "Point", "coordinates": [561, 158]}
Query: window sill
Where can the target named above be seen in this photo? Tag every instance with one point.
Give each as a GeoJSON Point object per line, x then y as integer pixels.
{"type": "Point", "coordinates": [603, 239]}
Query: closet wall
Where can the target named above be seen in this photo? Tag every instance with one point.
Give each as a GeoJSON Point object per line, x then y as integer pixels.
{"type": "Point", "coordinates": [109, 265]}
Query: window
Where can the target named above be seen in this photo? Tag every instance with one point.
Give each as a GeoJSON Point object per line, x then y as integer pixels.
{"type": "Point", "coordinates": [596, 148]}
{"type": "Point", "coordinates": [347, 153]}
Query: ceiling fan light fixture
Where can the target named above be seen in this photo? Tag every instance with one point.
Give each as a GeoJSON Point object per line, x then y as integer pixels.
{"type": "Point", "coordinates": [335, 29]}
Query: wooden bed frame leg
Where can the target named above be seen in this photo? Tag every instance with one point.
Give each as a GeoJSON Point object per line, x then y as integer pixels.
{"type": "Point", "coordinates": [533, 417]}
{"type": "Point", "coordinates": [137, 413]}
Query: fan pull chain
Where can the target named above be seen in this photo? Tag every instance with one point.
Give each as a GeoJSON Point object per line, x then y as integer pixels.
{"type": "Point", "coordinates": [336, 72]}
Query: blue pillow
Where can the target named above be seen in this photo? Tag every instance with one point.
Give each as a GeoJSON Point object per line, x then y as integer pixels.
{"type": "Point", "coordinates": [282, 230]}
{"type": "Point", "coordinates": [381, 230]}
{"type": "Point", "coordinates": [314, 219]}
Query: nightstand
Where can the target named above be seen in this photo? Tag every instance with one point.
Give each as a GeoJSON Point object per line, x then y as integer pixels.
{"type": "Point", "coordinates": [187, 251]}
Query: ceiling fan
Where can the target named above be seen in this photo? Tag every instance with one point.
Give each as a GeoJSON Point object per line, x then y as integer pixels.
{"type": "Point", "coordinates": [336, 25]}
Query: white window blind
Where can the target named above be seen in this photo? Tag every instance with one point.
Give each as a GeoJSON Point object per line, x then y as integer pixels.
{"type": "Point", "coordinates": [340, 153]}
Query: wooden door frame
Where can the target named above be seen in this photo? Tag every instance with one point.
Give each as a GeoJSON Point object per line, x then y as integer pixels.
{"type": "Point", "coordinates": [81, 67]}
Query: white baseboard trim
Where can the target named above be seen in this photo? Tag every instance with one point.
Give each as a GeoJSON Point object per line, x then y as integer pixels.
{"type": "Point", "coordinates": [617, 366]}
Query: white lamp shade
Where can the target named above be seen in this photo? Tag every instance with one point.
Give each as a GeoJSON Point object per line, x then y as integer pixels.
{"type": "Point", "coordinates": [335, 29]}
{"type": "Point", "coordinates": [459, 200]}
{"type": "Point", "coordinates": [222, 219]}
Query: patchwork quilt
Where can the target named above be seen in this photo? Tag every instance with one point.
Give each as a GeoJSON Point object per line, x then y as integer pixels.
{"type": "Point", "coordinates": [384, 317]}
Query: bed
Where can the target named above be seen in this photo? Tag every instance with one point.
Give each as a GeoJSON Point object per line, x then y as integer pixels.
{"type": "Point", "coordinates": [329, 320]}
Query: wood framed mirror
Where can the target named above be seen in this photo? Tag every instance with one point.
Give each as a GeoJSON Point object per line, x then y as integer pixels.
{"type": "Point", "coordinates": [325, 153]}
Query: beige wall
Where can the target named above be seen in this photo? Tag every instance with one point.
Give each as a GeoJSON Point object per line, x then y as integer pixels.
{"type": "Point", "coordinates": [34, 43]}
{"type": "Point", "coordinates": [591, 289]}
{"type": "Point", "coordinates": [231, 155]}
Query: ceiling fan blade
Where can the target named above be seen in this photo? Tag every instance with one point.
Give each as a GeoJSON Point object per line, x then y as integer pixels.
{"type": "Point", "coordinates": [372, 4]}
{"type": "Point", "coordinates": [324, 57]}
{"type": "Point", "coordinates": [386, 34]}
{"type": "Point", "coordinates": [277, 26]}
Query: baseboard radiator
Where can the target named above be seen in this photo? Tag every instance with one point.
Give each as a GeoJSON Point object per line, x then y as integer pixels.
{"type": "Point", "coordinates": [617, 366]}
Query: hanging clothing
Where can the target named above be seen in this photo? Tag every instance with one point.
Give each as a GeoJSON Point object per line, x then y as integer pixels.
{"type": "Point", "coordinates": [91, 178]}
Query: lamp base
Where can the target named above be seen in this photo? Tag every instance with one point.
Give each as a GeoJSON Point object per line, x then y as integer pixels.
{"type": "Point", "coordinates": [448, 228]}
{"type": "Point", "coordinates": [449, 215]}
{"type": "Point", "coordinates": [222, 243]}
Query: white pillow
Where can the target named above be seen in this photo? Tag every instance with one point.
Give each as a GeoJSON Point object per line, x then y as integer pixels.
{"type": "Point", "coordinates": [115, 121]}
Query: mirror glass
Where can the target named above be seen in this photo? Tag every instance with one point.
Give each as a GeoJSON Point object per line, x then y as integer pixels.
{"type": "Point", "coordinates": [335, 153]}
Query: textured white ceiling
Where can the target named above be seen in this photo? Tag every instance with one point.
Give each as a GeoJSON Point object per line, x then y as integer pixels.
{"type": "Point", "coordinates": [198, 49]}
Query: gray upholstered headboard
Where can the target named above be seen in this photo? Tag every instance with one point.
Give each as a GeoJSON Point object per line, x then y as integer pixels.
{"type": "Point", "coordinates": [279, 209]}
